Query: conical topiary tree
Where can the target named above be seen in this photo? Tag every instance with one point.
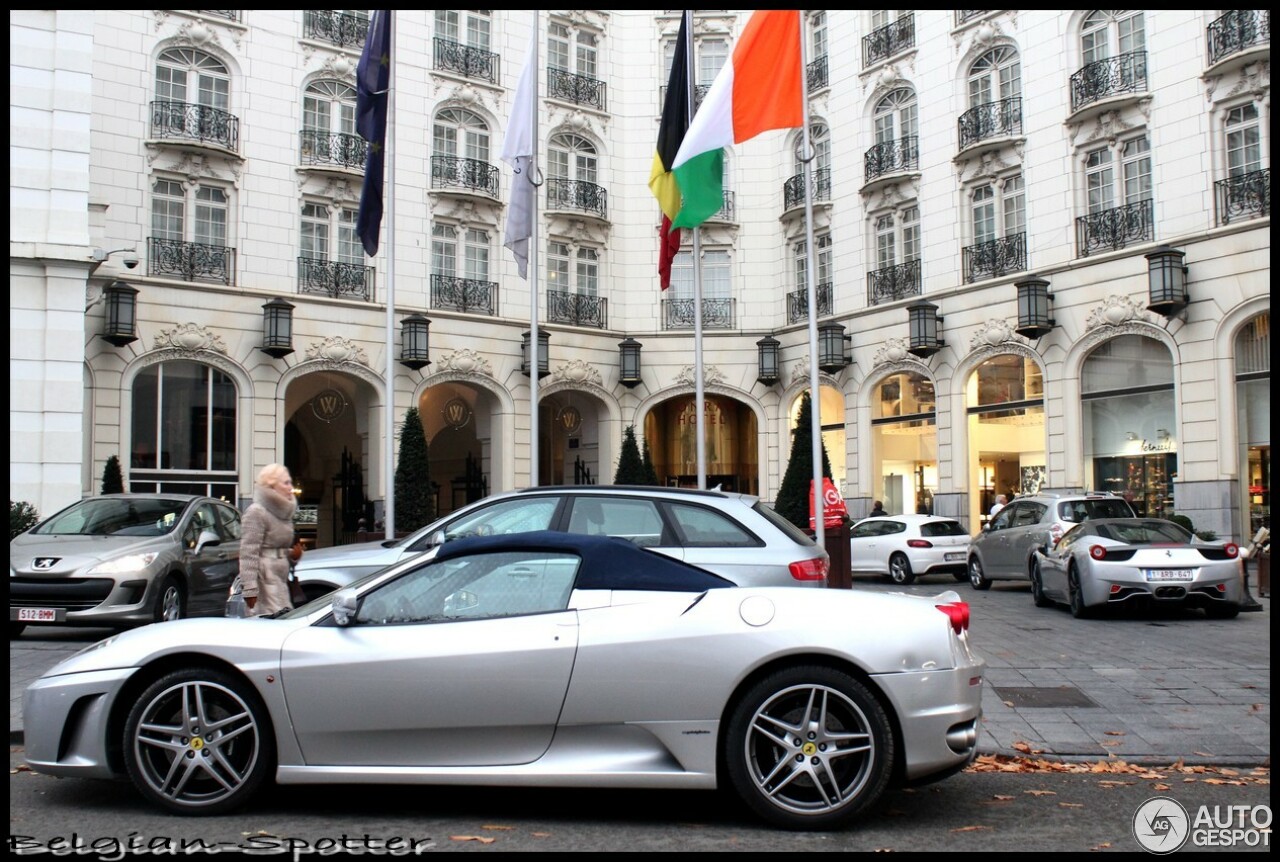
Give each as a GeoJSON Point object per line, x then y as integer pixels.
{"type": "Point", "coordinates": [630, 468]}
{"type": "Point", "coordinates": [650, 474]}
{"type": "Point", "coordinates": [413, 476]}
{"type": "Point", "coordinates": [112, 477]}
{"type": "Point", "coordinates": [793, 495]}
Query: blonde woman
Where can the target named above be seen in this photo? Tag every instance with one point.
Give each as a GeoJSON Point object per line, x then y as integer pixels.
{"type": "Point", "coordinates": [266, 538]}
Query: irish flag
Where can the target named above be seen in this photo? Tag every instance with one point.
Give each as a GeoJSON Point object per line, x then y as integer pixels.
{"type": "Point", "coordinates": [760, 88]}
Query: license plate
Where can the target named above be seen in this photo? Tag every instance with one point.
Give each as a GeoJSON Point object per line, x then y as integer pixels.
{"type": "Point", "coordinates": [37, 615]}
{"type": "Point", "coordinates": [1169, 574]}
{"type": "Point", "coordinates": [953, 558]}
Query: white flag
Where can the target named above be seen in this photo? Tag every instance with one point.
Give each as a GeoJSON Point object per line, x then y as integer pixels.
{"type": "Point", "coordinates": [518, 151]}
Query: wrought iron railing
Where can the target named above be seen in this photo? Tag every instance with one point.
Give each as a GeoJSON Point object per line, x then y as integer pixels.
{"type": "Point", "coordinates": [679, 313]}
{"type": "Point", "coordinates": [577, 195]}
{"type": "Point", "coordinates": [334, 27]}
{"type": "Point", "coordinates": [465, 60]}
{"type": "Point", "coordinates": [699, 93]}
{"type": "Point", "coordinates": [333, 148]}
{"type": "Point", "coordinates": [470, 174]}
{"type": "Point", "coordinates": [1115, 228]}
{"type": "Point", "coordinates": [993, 120]}
{"type": "Point", "coordinates": [188, 122]}
{"type": "Point", "coordinates": [995, 258]}
{"type": "Point", "coordinates": [1126, 73]}
{"type": "Point", "coordinates": [817, 73]}
{"type": "Point", "coordinates": [1244, 197]}
{"type": "Point", "coordinates": [888, 40]}
{"type": "Point", "coordinates": [798, 302]}
{"type": "Point", "coordinates": [891, 157]}
{"type": "Point", "coordinates": [964, 16]}
{"type": "Point", "coordinates": [464, 294]}
{"type": "Point", "coordinates": [893, 282]}
{"type": "Point", "coordinates": [793, 189]}
{"type": "Point", "coordinates": [728, 209]}
{"type": "Point", "coordinates": [580, 309]}
{"type": "Point", "coordinates": [190, 261]}
{"type": "Point", "coordinates": [229, 14]}
{"type": "Point", "coordinates": [334, 278]}
{"type": "Point", "coordinates": [578, 89]}
{"type": "Point", "coordinates": [1237, 30]}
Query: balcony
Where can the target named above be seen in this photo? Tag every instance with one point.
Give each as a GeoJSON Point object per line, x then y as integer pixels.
{"type": "Point", "coordinates": [891, 157]}
{"type": "Point", "coordinates": [471, 175]}
{"type": "Point", "coordinates": [728, 210]}
{"type": "Point", "coordinates": [579, 309]}
{"type": "Point", "coordinates": [334, 278]}
{"type": "Point", "coordinates": [190, 261]}
{"type": "Point", "coordinates": [798, 302]}
{"type": "Point", "coordinates": [1244, 197]}
{"type": "Point", "coordinates": [229, 14]}
{"type": "Point", "coordinates": [464, 60]}
{"type": "Point", "coordinates": [995, 258]}
{"type": "Point", "coordinates": [1236, 31]}
{"type": "Point", "coordinates": [994, 120]}
{"type": "Point", "coordinates": [1113, 76]}
{"type": "Point", "coordinates": [699, 93]}
{"type": "Point", "coordinates": [579, 89]}
{"type": "Point", "coordinates": [578, 196]}
{"type": "Point", "coordinates": [964, 16]}
{"type": "Point", "coordinates": [883, 42]}
{"type": "Point", "coordinates": [332, 150]}
{"type": "Point", "coordinates": [793, 189]}
{"type": "Point", "coordinates": [817, 74]}
{"type": "Point", "coordinates": [716, 313]}
{"type": "Point", "coordinates": [464, 294]}
{"type": "Point", "coordinates": [1116, 228]}
{"type": "Point", "coordinates": [336, 28]}
{"type": "Point", "coordinates": [183, 121]}
{"type": "Point", "coordinates": [893, 283]}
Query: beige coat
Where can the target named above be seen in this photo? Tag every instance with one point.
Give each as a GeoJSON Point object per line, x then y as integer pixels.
{"type": "Point", "coordinates": [265, 540]}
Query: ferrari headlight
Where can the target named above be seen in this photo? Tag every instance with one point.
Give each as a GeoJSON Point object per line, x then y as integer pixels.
{"type": "Point", "coordinates": [125, 565]}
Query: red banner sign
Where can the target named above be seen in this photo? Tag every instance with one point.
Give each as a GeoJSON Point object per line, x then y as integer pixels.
{"type": "Point", "coordinates": [833, 507]}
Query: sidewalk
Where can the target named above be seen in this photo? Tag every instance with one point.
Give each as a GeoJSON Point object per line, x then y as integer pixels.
{"type": "Point", "coordinates": [1146, 688]}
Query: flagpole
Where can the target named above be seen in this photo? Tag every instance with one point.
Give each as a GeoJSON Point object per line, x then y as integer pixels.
{"type": "Point", "coordinates": [389, 468]}
{"type": "Point", "coordinates": [699, 388]}
{"type": "Point", "coordinates": [535, 344]}
{"type": "Point", "coordinates": [815, 425]}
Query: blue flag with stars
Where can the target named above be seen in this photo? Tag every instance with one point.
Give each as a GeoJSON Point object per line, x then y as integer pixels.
{"type": "Point", "coordinates": [373, 80]}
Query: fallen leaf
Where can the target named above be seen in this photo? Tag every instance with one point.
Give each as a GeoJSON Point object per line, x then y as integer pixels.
{"type": "Point", "coordinates": [1023, 747]}
{"type": "Point", "coordinates": [1041, 792]}
{"type": "Point", "coordinates": [1071, 805]}
{"type": "Point", "coordinates": [1102, 846]}
{"type": "Point", "coordinates": [21, 767]}
{"type": "Point", "coordinates": [1160, 787]}
{"type": "Point", "coordinates": [1114, 732]}
{"type": "Point", "coordinates": [494, 828]}
{"type": "Point", "coordinates": [1110, 743]}
{"type": "Point", "coordinates": [1008, 703]}
{"type": "Point", "coordinates": [1002, 798]}
{"type": "Point", "coordinates": [479, 838]}
{"type": "Point", "coordinates": [541, 834]}
{"type": "Point", "coordinates": [1203, 754]}
{"type": "Point", "coordinates": [971, 829]}
{"type": "Point", "coordinates": [1256, 707]}
{"type": "Point", "coordinates": [1112, 783]}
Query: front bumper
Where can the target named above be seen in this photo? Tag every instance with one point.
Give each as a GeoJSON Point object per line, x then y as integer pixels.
{"type": "Point", "coordinates": [64, 721]}
{"type": "Point", "coordinates": [99, 601]}
{"type": "Point", "coordinates": [939, 713]}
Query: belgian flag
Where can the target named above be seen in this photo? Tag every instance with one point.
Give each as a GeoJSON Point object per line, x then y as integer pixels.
{"type": "Point", "coordinates": [675, 122]}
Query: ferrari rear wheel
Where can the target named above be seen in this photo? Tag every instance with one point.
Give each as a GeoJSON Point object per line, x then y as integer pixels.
{"type": "Point", "coordinates": [1037, 588]}
{"type": "Point", "coordinates": [900, 569]}
{"type": "Point", "coordinates": [1079, 609]}
{"type": "Point", "coordinates": [809, 748]}
{"type": "Point", "coordinates": [198, 741]}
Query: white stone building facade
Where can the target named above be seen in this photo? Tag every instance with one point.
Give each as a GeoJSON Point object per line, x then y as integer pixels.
{"type": "Point", "coordinates": [961, 158]}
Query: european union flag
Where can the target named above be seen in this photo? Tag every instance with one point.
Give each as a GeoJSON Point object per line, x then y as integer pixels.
{"type": "Point", "coordinates": [373, 80]}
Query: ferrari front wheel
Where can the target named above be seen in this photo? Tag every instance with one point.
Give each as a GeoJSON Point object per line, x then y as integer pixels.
{"type": "Point", "coordinates": [809, 748]}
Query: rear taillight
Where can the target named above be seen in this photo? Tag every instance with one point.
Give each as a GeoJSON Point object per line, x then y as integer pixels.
{"type": "Point", "coordinates": [958, 612]}
{"type": "Point", "coordinates": [1231, 549]}
{"type": "Point", "coordinates": [919, 543]}
{"type": "Point", "coordinates": [809, 570]}
{"type": "Point", "coordinates": [1098, 552]}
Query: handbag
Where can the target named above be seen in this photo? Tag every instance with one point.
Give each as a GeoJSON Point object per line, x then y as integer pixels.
{"type": "Point", "coordinates": [296, 594]}
{"type": "Point", "coordinates": [235, 601]}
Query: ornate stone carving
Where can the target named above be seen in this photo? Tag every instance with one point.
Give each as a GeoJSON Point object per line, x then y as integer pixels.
{"type": "Point", "coordinates": [800, 374]}
{"type": "Point", "coordinates": [337, 350]}
{"type": "Point", "coordinates": [994, 333]}
{"type": "Point", "coordinates": [464, 362]}
{"type": "Point", "coordinates": [710, 375]}
{"type": "Point", "coordinates": [189, 338]}
{"type": "Point", "coordinates": [895, 352]}
{"type": "Point", "coordinates": [577, 372]}
{"type": "Point", "coordinates": [1117, 310]}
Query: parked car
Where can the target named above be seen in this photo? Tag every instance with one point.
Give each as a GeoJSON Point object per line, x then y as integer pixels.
{"type": "Point", "coordinates": [1005, 548]}
{"type": "Point", "coordinates": [1130, 561]}
{"type": "Point", "coordinates": [539, 659]}
{"type": "Point", "coordinates": [124, 560]}
{"type": "Point", "coordinates": [905, 547]}
{"type": "Point", "coordinates": [734, 535]}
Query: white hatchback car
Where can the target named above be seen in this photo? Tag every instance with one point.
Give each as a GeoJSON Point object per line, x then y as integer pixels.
{"type": "Point", "coordinates": [907, 546]}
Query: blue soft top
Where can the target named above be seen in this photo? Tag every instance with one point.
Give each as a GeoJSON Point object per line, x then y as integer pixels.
{"type": "Point", "coordinates": [608, 563]}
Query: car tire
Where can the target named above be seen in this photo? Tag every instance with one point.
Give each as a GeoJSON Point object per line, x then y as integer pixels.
{"type": "Point", "coordinates": [1037, 588]}
{"type": "Point", "coordinates": [960, 577]}
{"type": "Point", "coordinates": [1222, 612]}
{"type": "Point", "coordinates": [796, 774]}
{"type": "Point", "coordinates": [977, 578]}
{"type": "Point", "coordinates": [900, 570]}
{"type": "Point", "coordinates": [171, 600]}
{"type": "Point", "coordinates": [214, 721]}
{"type": "Point", "coordinates": [16, 629]}
{"type": "Point", "coordinates": [1079, 609]}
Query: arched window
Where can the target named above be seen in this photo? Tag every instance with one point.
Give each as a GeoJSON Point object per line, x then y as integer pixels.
{"type": "Point", "coordinates": [1005, 402]}
{"type": "Point", "coordinates": [183, 430]}
{"type": "Point", "coordinates": [329, 106]}
{"type": "Point", "coordinates": [190, 76]}
{"type": "Point", "coordinates": [996, 75]}
{"type": "Point", "coordinates": [1106, 34]}
{"type": "Point", "coordinates": [820, 140]}
{"type": "Point", "coordinates": [904, 442]}
{"type": "Point", "coordinates": [895, 116]}
{"type": "Point", "coordinates": [458, 133]}
{"type": "Point", "coordinates": [572, 157]}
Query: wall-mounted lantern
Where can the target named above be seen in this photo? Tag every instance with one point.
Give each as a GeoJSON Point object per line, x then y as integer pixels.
{"type": "Point", "coordinates": [923, 320]}
{"type": "Point", "coordinates": [415, 342]}
{"type": "Point", "coordinates": [121, 300]}
{"type": "Point", "coordinates": [1167, 280]}
{"type": "Point", "coordinates": [768, 364]}
{"type": "Point", "coordinates": [832, 356]}
{"type": "Point", "coordinates": [629, 362]}
{"type": "Point", "coordinates": [277, 328]}
{"type": "Point", "coordinates": [1033, 308]}
{"type": "Point", "coordinates": [544, 361]}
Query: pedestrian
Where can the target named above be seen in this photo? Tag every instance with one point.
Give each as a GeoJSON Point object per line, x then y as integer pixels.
{"type": "Point", "coordinates": [877, 511]}
{"type": "Point", "coordinates": [1000, 503]}
{"type": "Point", "coordinates": [265, 542]}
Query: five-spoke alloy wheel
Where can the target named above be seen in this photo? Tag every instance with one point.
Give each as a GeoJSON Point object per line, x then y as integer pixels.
{"type": "Point", "coordinates": [171, 601]}
{"type": "Point", "coordinates": [198, 741]}
{"type": "Point", "coordinates": [809, 748]}
{"type": "Point", "coordinates": [900, 569]}
{"type": "Point", "coordinates": [978, 578]}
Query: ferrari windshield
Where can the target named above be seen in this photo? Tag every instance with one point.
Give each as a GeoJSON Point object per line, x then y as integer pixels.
{"type": "Point", "coordinates": [115, 516]}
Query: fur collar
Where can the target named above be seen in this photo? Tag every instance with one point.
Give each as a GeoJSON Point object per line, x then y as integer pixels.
{"type": "Point", "coordinates": [279, 505]}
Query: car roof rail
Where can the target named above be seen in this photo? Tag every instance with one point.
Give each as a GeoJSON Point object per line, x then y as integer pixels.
{"type": "Point", "coordinates": [651, 489]}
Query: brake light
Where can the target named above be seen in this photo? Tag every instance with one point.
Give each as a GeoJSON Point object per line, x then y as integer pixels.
{"type": "Point", "coordinates": [919, 543]}
{"type": "Point", "coordinates": [1098, 552]}
{"type": "Point", "coordinates": [809, 570]}
{"type": "Point", "coordinates": [958, 613]}
{"type": "Point", "coordinates": [1231, 549]}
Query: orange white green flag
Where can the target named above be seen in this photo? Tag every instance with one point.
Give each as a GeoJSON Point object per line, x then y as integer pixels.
{"type": "Point", "coordinates": [758, 89]}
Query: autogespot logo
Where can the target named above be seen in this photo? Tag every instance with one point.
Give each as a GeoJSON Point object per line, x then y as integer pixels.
{"type": "Point", "coordinates": [1161, 825]}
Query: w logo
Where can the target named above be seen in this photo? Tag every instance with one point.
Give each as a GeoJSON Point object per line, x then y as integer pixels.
{"type": "Point", "coordinates": [328, 405]}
